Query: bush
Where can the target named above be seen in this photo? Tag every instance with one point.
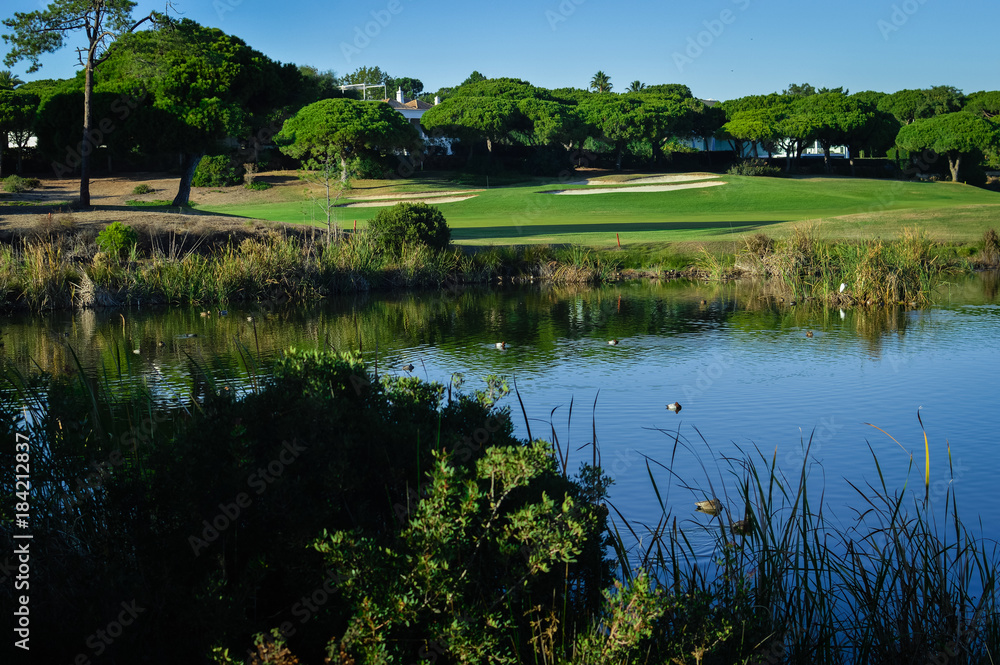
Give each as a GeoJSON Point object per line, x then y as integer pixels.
{"type": "Point", "coordinates": [142, 189]}
{"type": "Point", "coordinates": [754, 167]}
{"type": "Point", "coordinates": [409, 224]}
{"type": "Point", "coordinates": [368, 167]}
{"type": "Point", "coordinates": [15, 184]}
{"type": "Point", "coordinates": [258, 185]}
{"type": "Point", "coordinates": [116, 237]}
{"type": "Point", "coordinates": [216, 171]}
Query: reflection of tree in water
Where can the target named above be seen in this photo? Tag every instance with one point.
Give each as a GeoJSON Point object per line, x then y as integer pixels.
{"type": "Point", "coordinates": [990, 281]}
{"type": "Point", "coordinates": [873, 324]}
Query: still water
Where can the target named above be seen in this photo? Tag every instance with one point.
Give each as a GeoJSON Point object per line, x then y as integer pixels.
{"type": "Point", "coordinates": [748, 376]}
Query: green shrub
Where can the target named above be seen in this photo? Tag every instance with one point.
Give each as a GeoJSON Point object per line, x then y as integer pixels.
{"type": "Point", "coordinates": [216, 171]}
{"type": "Point", "coordinates": [258, 185]}
{"type": "Point", "coordinates": [142, 188]}
{"type": "Point", "coordinates": [368, 167]}
{"type": "Point", "coordinates": [116, 237]}
{"type": "Point", "coordinates": [754, 167]}
{"type": "Point", "coordinates": [409, 224]}
{"type": "Point", "coordinates": [15, 184]}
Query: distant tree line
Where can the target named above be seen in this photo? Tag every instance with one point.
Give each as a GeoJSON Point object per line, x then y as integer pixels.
{"type": "Point", "coordinates": [176, 91]}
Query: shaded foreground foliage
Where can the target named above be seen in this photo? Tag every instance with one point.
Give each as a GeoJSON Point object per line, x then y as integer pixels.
{"type": "Point", "coordinates": [333, 514]}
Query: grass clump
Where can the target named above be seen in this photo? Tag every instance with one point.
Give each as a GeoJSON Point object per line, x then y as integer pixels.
{"type": "Point", "coordinates": [117, 238]}
{"type": "Point", "coordinates": [15, 184]}
{"type": "Point", "coordinates": [142, 188]}
{"type": "Point", "coordinates": [989, 255]}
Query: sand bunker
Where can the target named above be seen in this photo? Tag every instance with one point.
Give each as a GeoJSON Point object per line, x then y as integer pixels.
{"type": "Point", "coordinates": [634, 189]}
{"type": "Point", "coordinates": [416, 195]}
{"type": "Point", "coordinates": [386, 203]}
{"type": "Point", "coordinates": [677, 177]}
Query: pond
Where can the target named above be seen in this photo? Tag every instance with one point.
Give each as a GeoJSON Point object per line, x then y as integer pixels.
{"type": "Point", "coordinates": [754, 375]}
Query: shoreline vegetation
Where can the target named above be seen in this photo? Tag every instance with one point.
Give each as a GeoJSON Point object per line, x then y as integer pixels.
{"type": "Point", "coordinates": [64, 268]}
{"type": "Point", "coordinates": [886, 241]}
{"type": "Point", "coordinates": [454, 538]}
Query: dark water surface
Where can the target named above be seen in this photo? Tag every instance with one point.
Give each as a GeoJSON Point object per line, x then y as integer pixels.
{"type": "Point", "coordinates": [740, 363]}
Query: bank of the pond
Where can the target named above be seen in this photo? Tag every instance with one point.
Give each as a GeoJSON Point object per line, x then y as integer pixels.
{"type": "Point", "coordinates": [64, 269]}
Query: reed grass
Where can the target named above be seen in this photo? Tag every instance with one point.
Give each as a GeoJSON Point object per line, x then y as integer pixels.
{"type": "Point", "coordinates": [59, 270]}
{"type": "Point", "coordinates": [905, 582]}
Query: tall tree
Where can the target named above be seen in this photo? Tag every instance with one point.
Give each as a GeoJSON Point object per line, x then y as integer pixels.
{"type": "Point", "coordinates": [601, 82]}
{"type": "Point", "coordinates": [17, 116]}
{"type": "Point", "coordinates": [335, 130]}
{"type": "Point", "coordinates": [799, 90]}
{"type": "Point", "coordinates": [9, 80]}
{"type": "Point", "coordinates": [621, 120]}
{"type": "Point", "coordinates": [45, 31]}
{"type": "Point", "coordinates": [326, 134]}
{"type": "Point", "coordinates": [954, 135]}
{"type": "Point", "coordinates": [636, 86]}
{"type": "Point", "coordinates": [207, 85]}
{"type": "Point", "coordinates": [473, 119]}
{"type": "Point", "coordinates": [834, 118]}
{"type": "Point", "coordinates": [411, 87]}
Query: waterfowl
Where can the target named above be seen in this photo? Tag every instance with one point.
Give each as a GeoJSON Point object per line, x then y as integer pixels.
{"type": "Point", "coordinates": [742, 527]}
{"type": "Point", "coordinates": [709, 506]}
{"type": "Point", "coordinates": [223, 312]}
{"type": "Point", "coordinates": [809, 333]}
{"type": "Point", "coordinates": [675, 407]}
{"type": "Point", "coordinates": [501, 345]}
{"type": "Point", "coordinates": [843, 286]}
{"type": "Point", "coordinates": [161, 344]}
{"type": "Point", "coordinates": [407, 367]}
{"type": "Point", "coordinates": [613, 342]}
{"type": "Point", "coordinates": [249, 319]}
{"type": "Point", "coordinates": [206, 314]}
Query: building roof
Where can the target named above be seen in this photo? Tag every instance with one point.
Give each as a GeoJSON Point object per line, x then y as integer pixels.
{"type": "Point", "coordinates": [413, 104]}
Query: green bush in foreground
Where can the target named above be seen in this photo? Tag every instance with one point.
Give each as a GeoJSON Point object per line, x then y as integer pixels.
{"type": "Point", "coordinates": [409, 224]}
{"type": "Point", "coordinates": [15, 184]}
{"type": "Point", "coordinates": [116, 238]}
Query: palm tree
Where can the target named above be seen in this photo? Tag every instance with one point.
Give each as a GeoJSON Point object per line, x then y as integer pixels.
{"type": "Point", "coordinates": [601, 82]}
{"type": "Point", "coordinates": [8, 80]}
{"type": "Point", "coordinates": [636, 86]}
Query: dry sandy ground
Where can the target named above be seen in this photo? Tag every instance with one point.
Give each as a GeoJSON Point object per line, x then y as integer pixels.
{"type": "Point", "coordinates": [46, 210]}
{"type": "Point", "coordinates": [632, 190]}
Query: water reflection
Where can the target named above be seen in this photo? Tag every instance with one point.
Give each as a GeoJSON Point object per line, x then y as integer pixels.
{"type": "Point", "coordinates": [735, 355]}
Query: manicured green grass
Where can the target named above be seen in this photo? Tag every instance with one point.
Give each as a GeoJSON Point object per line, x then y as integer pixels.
{"type": "Point", "coordinates": [843, 208]}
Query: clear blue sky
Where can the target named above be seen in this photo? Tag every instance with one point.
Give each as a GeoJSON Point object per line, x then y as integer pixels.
{"type": "Point", "coordinates": [720, 48]}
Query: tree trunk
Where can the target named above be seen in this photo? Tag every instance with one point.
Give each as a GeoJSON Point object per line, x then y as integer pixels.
{"type": "Point", "coordinates": [953, 164]}
{"type": "Point", "coordinates": [826, 157]}
{"type": "Point", "coordinates": [85, 147]}
{"type": "Point", "coordinates": [618, 159]}
{"type": "Point", "coordinates": [184, 189]}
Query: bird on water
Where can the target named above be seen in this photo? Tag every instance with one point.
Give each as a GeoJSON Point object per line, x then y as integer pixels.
{"type": "Point", "coordinates": [675, 407]}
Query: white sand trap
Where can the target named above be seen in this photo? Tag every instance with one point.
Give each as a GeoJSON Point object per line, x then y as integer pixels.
{"type": "Point", "coordinates": [671, 178]}
{"type": "Point", "coordinates": [390, 203]}
{"type": "Point", "coordinates": [632, 190]}
{"type": "Point", "coordinates": [677, 177]}
{"type": "Point", "coordinates": [416, 195]}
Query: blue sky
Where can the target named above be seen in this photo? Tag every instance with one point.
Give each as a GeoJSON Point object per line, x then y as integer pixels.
{"type": "Point", "coordinates": [720, 48]}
